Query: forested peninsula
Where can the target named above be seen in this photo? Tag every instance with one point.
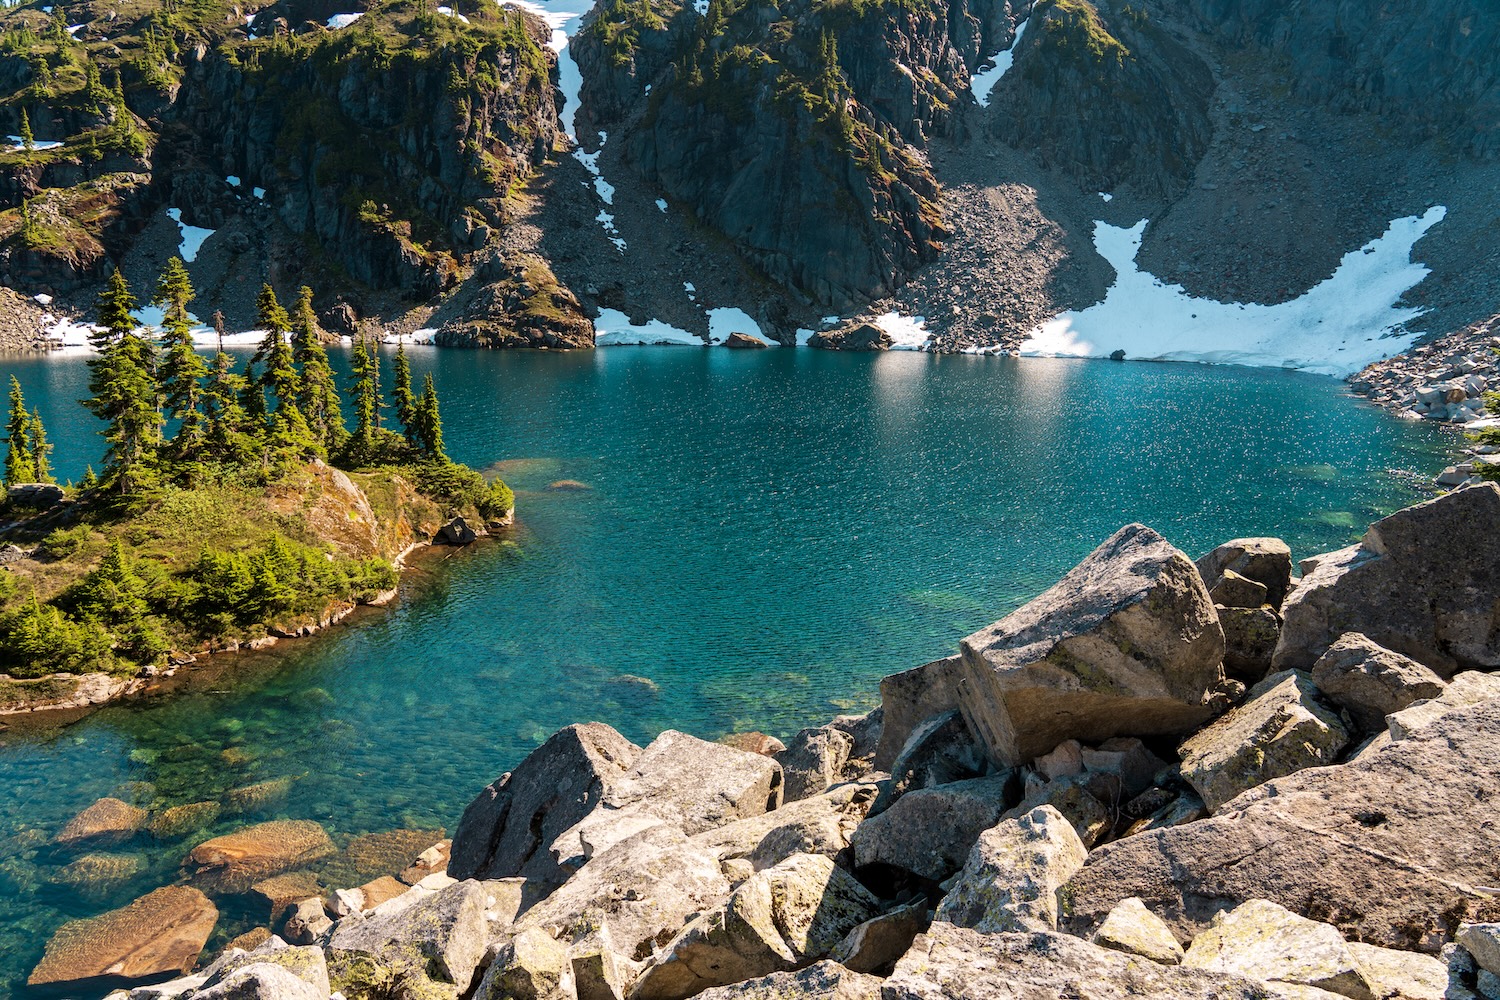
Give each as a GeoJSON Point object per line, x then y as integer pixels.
{"type": "Point", "coordinates": [233, 507]}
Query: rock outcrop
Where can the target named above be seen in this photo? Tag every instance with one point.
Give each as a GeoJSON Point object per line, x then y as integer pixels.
{"type": "Point", "coordinates": [1127, 644]}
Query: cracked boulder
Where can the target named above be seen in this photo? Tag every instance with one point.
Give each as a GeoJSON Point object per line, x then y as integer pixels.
{"type": "Point", "coordinates": [1265, 562]}
{"type": "Point", "coordinates": [1262, 940]}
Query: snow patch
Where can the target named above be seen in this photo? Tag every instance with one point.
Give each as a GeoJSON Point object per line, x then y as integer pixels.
{"type": "Point", "coordinates": [449, 12]}
{"type": "Point", "coordinates": [1106, 197]}
{"type": "Point", "coordinates": [1337, 327]}
{"type": "Point", "coordinates": [907, 333]}
{"type": "Point", "coordinates": [613, 328]}
{"type": "Point", "coordinates": [232, 181]}
{"type": "Point", "coordinates": [18, 144]}
{"type": "Point", "coordinates": [726, 320]}
{"type": "Point", "coordinates": [661, 203]}
{"type": "Point", "coordinates": [42, 299]}
{"type": "Point", "coordinates": [192, 236]}
{"type": "Point", "coordinates": [335, 22]}
{"type": "Point", "coordinates": [984, 81]}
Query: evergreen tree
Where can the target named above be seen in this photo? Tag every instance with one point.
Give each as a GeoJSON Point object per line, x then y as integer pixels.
{"type": "Point", "coordinates": [41, 449]}
{"type": "Point", "coordinates": [28, 141]}
{"type": "Point", "coordinates": [226, 426]}
{"type": "Point", "coordinates": [289, 434]}
{"type": "Point", "coordinates": [317, 394]}
{"type": "Point", "coordinates": [122, 378]}
{"type": "Point", "coordinates": [90, 480]}
{"type": "Point", "coordinates": [429, 423]}
{"type": "Point", "coordinates": [366, 371]}
{"type": "Point", "coordinates": [19, 464]}
{"type": "Point", "coordinates": [183, 369]}
{"type": "Point", "coordinates": [405, 400]}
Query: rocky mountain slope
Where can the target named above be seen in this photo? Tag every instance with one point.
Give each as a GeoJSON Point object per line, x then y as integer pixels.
{"type": "Point", "coordinates": [1159, 778]}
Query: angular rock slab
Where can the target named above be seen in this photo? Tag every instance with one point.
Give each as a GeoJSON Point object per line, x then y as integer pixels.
{"type": "Point", "coordinates": [1405, 974]}
{"type": "Point", "coordinates": [1014, 872]}
{"type": "Point", "coordinates": [814, 760]}
{"type": "Point", "coordinates": [1250, 638]}
{"type": "Point", "coordinates": [910, 698]}
{"type": "Point", "coordinates": [822, 824]}
{"type": "Point", "coordinates": [1370, 681]}
{"type": "Point", "coordinates": [441, 938]}
{"type": "Point", "coordinates": [1127, 644]}
{"type": "Point", "coordinates": [1422, 583]}
{"type": "Point", "coordinates": [162, 932]}
{"type": "Point", "coordinates": [1468, 688]}
{"type": "Point", "coordinates": [877, 944]}
{"type": "Point", "coordinates": [1483, 942]}
{"type": "Point", "coordinates": [238, 860]}
{"type": "Point", "coordinates": [1281, 729]}
{"type": "Point", "coordinates": [819, 981]}
{"type": "Point", "coordinates": [508, 829]}
{"type": "Point", "coordinates": [778, 920]}
{"type": "Point", "coordinates": [1382, 847]}
{"type": "Point", "coordinates": [929, 831]}
{"type": "Point", "coordinates": [939, 751]}
{"type": "Point", "coordinates": [1266, 561]}
{"type": "Point", "coordinates": [1260, 939]}
{"type": "Point", "coordinates": [1135, 930]}
{"type": "Point", "coordinates": [957, 963]}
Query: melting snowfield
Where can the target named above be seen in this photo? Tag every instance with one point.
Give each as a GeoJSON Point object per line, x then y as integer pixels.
{"type": "Point", "coordinates": [984, 81]}
{"type": "Point", "coordinates": [1336, 328]}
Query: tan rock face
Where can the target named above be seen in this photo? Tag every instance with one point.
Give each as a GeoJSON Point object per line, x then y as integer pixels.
{"type": "Point", "coordinates": [776, 921]}
{"type": "Point", "coordinates": [179, 821]}
{"type": "Point", "coordinates": [1384, 847]}
{"type": "Point", "coordinates": [1266, 941]}
{"type": "Point", "coordinates": [162, 932]}
{"type": "Point", "coordinates": [108, 821]}
{"type": "Point", "coordinates": [1422, 583]}
{"type": "Point", "coordinates": [1281, 729]}
{"type": "Point", "coordinates": [236, 861]}
{"type": "Point", "coordinates": [1127, 644]}
{"type": "Point", "coordinates": [1135, 930]}
{"type": "Point", "coordinates": [1011, 879]}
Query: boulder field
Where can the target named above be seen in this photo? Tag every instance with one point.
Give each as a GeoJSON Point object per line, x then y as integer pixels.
{"type": "Point", "coordinates": [1086, 800]}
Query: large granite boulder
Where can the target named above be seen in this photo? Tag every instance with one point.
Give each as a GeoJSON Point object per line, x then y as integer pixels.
{"type": "Point", "coordinates": [822, 824]}
{"type": "Point", "coordinates": [819, 981]}
{"type": "Point", "coordinates": [1370, 681]}
{"type": "Point", "coordinates": [108, 821]}
{"type": "Point", "coordinates": [1264, 561]}
{"type": "Point", "coordinates": [929, 832]}
{"type": "Point", "coordinates": [272, 970]}
{"type": "Point", "coordinates": [1279, 729]}
{"type": "Point", "coordinates": [530, 966]}
{"type": "Point", "coordinates": [1127, 644]}
{"type": "Point", "coordinates": [1266, 941]}
{"type": "Point", "coordinates": [1250, 638]}
{"type": "Point", "coordinates": [939, 751]}
{"type": "Point", "coordinates": [1466, 689]}
{"type": "Point", "coordinates": [813, 760]}
{"type": "Point", "coordinates": [1011, 879]}
{"type": "Point", "coordinates": [777, 921]}
{"type": "Point", "coordinates": [161, 933]}
{"type": "Point", "coordinates": [238, 860]}
{"type": "Point", "coordinates": [509, 829]}
{"type": "Point", "coordinates": [1386, 847]}
{"type": "Point", "coordinates": [911, 697]}
{"type": "Point", "coordinates": [876, 945]}
{"type": "Point", "coordinates": [958, 963]}
{"type": "Point", "coordinates": [1422, 583]}
{"type": "Point", "coordinates": [438, 941]}
{"type": "Point", "coordinates": [1483, 942]}
{"type": "Point", "coordinates": [639, 892]}
{"type": "Point", "coordinates": [681, 781]}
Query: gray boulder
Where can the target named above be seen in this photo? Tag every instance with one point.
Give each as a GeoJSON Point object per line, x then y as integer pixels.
{"type": "Point", "coordinates": [1280, 729]}
{"type": "Point", "coordinates": [1468, 688]}
{"type": "Point", "coordinates": [910, 698]}
{"type": "Point", "coordinates": [1127, 644]}
{"type": "Point", "coordinates": [1071, 796]}
{"type": "Point", "coordinates": [261, 981]}
{"type": "Point", "coordinates": [1266, 561]}
{"type": "Point", "coordinates": [1011, 879]}
{"type": "Point", "coordinates": [939, 751]}
{"type": "Point", "coordinates": [240, 973]}
{"type": "Point", "coordinates": [1386, 847]}
{"type": "Point", "coordinates": [1262, 940]}
{"type": "Point", "coordinates": [1404, 974]}
{"type": "Point", "coordinates": [878, 943]}
{"type": "Point", "coordinates": [777, 921]}
{"type": "Point", "coordinates": [1370, 681]}
{"type": "Point", "coordinates": [438, 940]}
{"type": "Point", "coordinates": [949, 963]}
{"type": "Point", "coordinates": [1237, 591]}
{"type": "Point", "coordinates": [929, 831]}
{"type": "Point", "coordinates": [1250, 638]}
{"type": "Point", "coordinates": [1483, 942]}
{"type": "Point", "coordinates": [822, 824]}
{"type": "Point", "coordinates": [1135, 930]}
{"type": "Point", "coordinates": [819, 981]}
{"type": "Point", "coordinates": [509, 829]}
{"type": "Point", "coordinates": [640, 891]}
{"type": "Point", "coordinates": [531, 965]}
{"type": "Point", "coordinates": [813, 760]}
{"type": "Point", "coordinates": [1422, 583]}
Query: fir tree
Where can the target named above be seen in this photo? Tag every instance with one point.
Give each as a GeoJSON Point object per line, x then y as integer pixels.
{"type": "Point", "coordinates": [41, 449]}
{"type": "Point", "coordinates": [183, 369]}
{"type": "Point", "coordinates": [366, 371]}
{"type": "Point", "coordinates": [28, 141]}
{"type": "Point", "coordinates": [226, 425]}
{"type": "Point", "coordinates": [122, 378]}
{"type": "Point", "coordinates": [19, 464]}
{"type": "Point", "coordinates": [405, 399]}
{"type": "Point", "coordinates": [429, 423]}
{"type": "Point", "coordinates": [90, 480]}
{"type": "Point", "coordinates": [317, 394]}
{"type": "Point", "coordinates": [289, 434]}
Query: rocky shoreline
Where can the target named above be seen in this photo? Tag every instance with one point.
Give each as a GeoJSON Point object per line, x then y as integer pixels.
{"type": "Point", "coordinates": [1159, 778]}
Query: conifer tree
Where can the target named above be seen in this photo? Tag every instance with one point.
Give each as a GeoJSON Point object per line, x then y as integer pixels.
{"type": "Point", "coordinates": [28, 141]}
{"type": "Point", "coordinates": [429, 423]}
{"type": "Point", "coordinates": [41, 449]}
{"type": "Point", "coordinates": [404, 398]}
{"type": "Point", "coordinates": [317, 393]}
{"type": "Point", "coordinates": [90, 480]}
{"type": "Point", "coordinates": [183, 369]}
{"type": "Point", "coordinates": [122, 378]}
{"type": "Point", "coordinates": [226, 425]}
{"type": "Point", "coordinates": [289, 435]}
{"type": "Point", "coordinates": [19, 464]}
{"type": "Point", "coordinates": [366, 371]}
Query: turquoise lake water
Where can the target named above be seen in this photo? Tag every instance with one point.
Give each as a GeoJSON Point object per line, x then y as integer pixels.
{"type": "Point", "coordinates": [767, 534]}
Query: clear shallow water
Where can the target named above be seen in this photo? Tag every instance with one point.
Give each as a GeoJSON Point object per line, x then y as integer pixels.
{"type": "Point", "coordinates": [767, 534]}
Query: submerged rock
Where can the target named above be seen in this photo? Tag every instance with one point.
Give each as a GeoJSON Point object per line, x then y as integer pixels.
{"type": "Point", "coordinates": [107, 821]}
{"type": "Point", "coordinates": [179, 821]}
{"type": "Point", "coordinates": [1127, 644]}
{"type": "Point", "coordinates": [236, 861]}
{"type": "Point", "coordinates": [162, 932]}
